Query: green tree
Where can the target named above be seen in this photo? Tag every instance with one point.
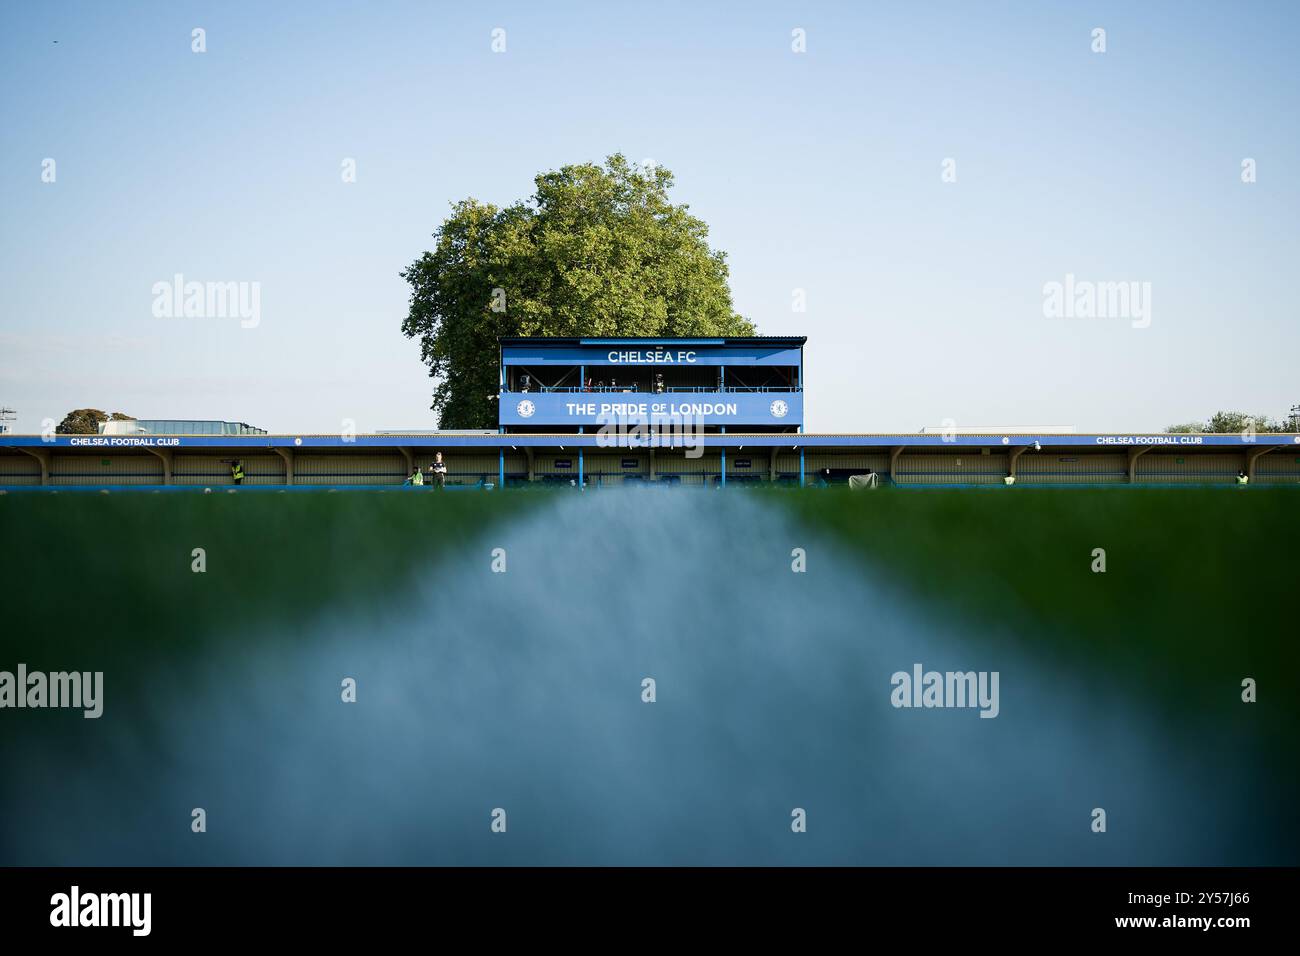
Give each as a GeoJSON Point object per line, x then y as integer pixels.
{"type": "Point", "coordinates": [596, 251]}
{"type": "Point", "coordinates": [86, 421]}
{"type": "Point", "coordinates": [1223, 423]}
{"type": "Point", "coordinates": [1228, 423]}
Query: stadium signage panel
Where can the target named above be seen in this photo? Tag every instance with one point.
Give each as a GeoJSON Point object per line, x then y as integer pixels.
{"type": "Point", "coordinates": [755, 408]}
{"type": "Point", "coordinates": [652, 358]}
{"type": "Point", "coordinates": [632, 408]}
{"type": "Point", "coordinates": [1149, 439]}
{"type": "Point", "coordinates": [604, 355]}
{"type": "Point", "coordinates": [643, 409]}
{"type": "Point", "coordinates": [102, 441]}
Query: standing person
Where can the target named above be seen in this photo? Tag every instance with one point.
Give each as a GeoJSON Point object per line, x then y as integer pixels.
{"type": "Point", "coordinates": [237, 471]}
{"type": "Point", "coordinates": [417, 477]}
{"type": "Point", "coordinates": [438, 471]}
{"type": "Point", "coordinates": [659, 383]}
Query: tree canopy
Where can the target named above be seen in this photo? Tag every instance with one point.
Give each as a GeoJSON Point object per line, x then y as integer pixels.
{"type": "Point", "coordinates": [86, 421]}
{"type": "Point", "coordinates": [596, 251]}
{"type": "Point", "coordinates": [1226, 423]}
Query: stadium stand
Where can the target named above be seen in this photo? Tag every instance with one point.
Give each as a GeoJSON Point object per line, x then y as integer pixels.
{"type": "Point", "coordinates": [703, 412]}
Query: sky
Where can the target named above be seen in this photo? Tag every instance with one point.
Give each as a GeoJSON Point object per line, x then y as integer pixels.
{"type": "Point", "coordinates": [902, 191]}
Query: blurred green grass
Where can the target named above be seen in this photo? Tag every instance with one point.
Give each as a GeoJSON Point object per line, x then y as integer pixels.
{"type": "Point", "coordinates": [93, 580]}
{"type": "Point", "coordinates": [1197, 593]}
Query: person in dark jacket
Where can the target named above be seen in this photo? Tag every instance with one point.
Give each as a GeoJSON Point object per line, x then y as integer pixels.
{"type": "Point", "coordinates": [438, 471]}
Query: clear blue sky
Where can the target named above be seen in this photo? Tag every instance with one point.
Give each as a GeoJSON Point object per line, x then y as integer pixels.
{"type": "Point", "coordinates": [816, 171]}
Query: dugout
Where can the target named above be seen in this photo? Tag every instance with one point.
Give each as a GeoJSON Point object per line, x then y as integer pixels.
{"type": "Point", "coordinates": [594, 460]}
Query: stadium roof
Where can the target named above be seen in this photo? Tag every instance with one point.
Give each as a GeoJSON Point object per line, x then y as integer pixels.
{"type": "Point", "coordinates": [788, 340]}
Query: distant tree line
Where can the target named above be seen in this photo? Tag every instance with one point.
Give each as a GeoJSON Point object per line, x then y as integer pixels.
{"type": "Point", "coordinates": [1226, 423]}
{"type": "Point", "coordinates": [86, 421]}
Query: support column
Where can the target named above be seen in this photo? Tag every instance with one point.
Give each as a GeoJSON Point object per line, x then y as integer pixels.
{"type": "Point", "coordinates": [501, 467]}
{"type": "Point", "coordinates": [894, 454]}
{"type": "Point", "coordinates": [287, 455]}
{"type": "Point", "coordinates": [801, 468]}
{"type": "Point", "coordinates": [1133, 455]}
{"type": "Point", "coordinates": [723, 449]}
{"type": "Point", "coordinates": [166, 455]}
{"type": "Point", "coordinates": [581, 484]}
{"type": "Point", "coordinates": [1011, 459]}
{"type": "Point", "coordinates": [1253, 456]}
{"type": "Point", "coordinates": [43, 456]}
{"type": "Point", "coordinates": [532, 471]}
{"type": "Point", "coordinates": [771, 467]}
{"type": "Point", "coordinates": [652, 465]}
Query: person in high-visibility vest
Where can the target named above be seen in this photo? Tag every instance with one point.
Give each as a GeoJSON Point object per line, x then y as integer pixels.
{"type": "Point", "coordinates": [1243, 478]}
{"type": "Point", "coordinates": [237, 472]}
{"type": "Point", "coordinates": [1009, 480]}
{"type": "Point", "coordinates": [417, 477]}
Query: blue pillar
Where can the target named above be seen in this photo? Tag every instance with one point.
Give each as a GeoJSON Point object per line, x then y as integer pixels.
{"type": "Point", "coordinates": [501, 467]}
{"type": "Point", "coordinates": [803, 391]}
{"type": "Point", "coordinates": [580, 431]}
{"type": "Point", "coordinates": [801, 478]}
{"type": "Point", "coordinates": [724, 459]}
